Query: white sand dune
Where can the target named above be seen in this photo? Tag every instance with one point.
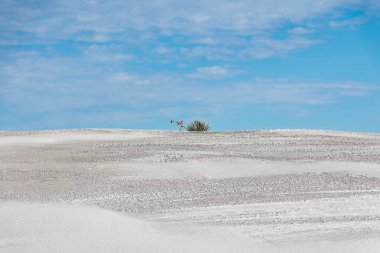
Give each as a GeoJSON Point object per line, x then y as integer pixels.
{"type": "Point", "coordinates": [59, 228]}
{"type": "Point", "coordinates": [51, 137]}
{"type": "Point", "coordinates": [159, 191]}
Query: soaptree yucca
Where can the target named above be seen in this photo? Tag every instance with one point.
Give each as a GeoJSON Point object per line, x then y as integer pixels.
{"type": "Point", "coordinates": [197, 125]}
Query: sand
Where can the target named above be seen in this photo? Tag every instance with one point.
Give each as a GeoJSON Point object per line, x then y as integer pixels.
{"type": "Point", "coordinates": [101, 190]}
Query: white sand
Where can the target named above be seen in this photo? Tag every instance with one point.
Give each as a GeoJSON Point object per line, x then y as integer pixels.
{"type": "Point", "coordinates": [59, 228]}
{"type": "Point", "coordinates": [50, 137]}
{"type": "Point", "coordinates": [241, 168]}
{"type": "Point", "coordinates": [159, 191]}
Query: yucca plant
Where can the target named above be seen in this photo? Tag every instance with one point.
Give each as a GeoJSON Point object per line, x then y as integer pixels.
{"type": "Point", "coordinates": [197, 125]}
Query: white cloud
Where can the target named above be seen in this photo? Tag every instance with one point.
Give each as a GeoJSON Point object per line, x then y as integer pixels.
{"type": "Point", "coordinates": [214, 70]}
{"type": "Point", "coordinates": [299, 30]}
{"type": "Point", "coordinates": [206, 41]}
{"type": "Point", "coordinates": [125, 78]}
{"type": "Point", "coordinates": [216, 23]}
{"type": "Point", "coordinates": [103, 53]}
{"type": "Point", "coordinates": [347, 23]}
{"type": "Point", "coordinates": [40, 85]}
{"type": "Point", "coordinates": [163, 50]}
{"type": "Point", "coordinates": [266, 48]}
{"type": "Point", "coordinates": [211, 72]}
{"type": "Point", "coordinates": [298, 92]}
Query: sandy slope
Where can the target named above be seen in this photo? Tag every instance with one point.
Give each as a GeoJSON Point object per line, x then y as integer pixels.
{"type": "Point", "coordinates": [269, 191]}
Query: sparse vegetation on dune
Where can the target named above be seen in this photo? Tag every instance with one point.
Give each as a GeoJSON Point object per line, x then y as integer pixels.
{"type": "Point", "coordinates": [193, 126]}
{"type": "Point", "coordinates": [197, 126]}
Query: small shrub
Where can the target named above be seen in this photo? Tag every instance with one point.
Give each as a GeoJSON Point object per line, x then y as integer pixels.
{"type": "Point", "coordinates": [197, 125]}
{"type": "Point", "coordinates": [179, 123]}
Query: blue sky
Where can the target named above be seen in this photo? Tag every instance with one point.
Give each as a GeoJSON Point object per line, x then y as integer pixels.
{"type": "Point", "coordinates": [243, 64]}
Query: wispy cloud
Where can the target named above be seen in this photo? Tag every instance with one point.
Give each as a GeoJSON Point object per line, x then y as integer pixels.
{"type": "Point", "coordinates": [40, 85]}
{"type": "Point", "coordinates": [211, 72]}
{"type": "Point", "coordinates": [219, 24]}
{"type": "Point", "coordinates": [297, 92]}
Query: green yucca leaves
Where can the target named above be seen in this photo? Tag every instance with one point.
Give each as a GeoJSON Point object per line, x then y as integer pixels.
{"type": "Point", "coordinates": [197, 125]}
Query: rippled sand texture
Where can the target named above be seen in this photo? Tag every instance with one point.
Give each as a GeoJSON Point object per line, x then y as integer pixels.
{"type": "Point", "coordinates": [269, 191]}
